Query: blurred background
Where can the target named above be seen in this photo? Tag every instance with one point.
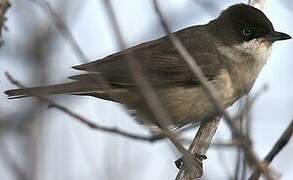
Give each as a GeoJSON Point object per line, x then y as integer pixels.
{"type": "Point", "coordinates": [37, 142]}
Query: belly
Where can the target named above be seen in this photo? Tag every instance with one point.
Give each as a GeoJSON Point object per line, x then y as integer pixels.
{"type": "Point", "coordinates": [192, 104]}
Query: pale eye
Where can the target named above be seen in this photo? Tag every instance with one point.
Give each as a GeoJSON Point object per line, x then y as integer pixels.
{"type": "Point", "coordinates": [247, 32]}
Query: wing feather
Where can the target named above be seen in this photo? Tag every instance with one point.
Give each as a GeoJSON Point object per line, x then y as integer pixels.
{"type": "Point", "coordinates": [160, 61]}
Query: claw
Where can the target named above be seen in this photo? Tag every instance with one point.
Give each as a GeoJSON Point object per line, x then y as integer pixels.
{"type": "Point", "coordinates": [179, 162]}
{"type": "Point", "coordinates": [203, 157]}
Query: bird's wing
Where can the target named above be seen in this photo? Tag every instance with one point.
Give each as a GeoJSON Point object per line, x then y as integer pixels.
{"type": "Point", "coordinates": [160, 61]}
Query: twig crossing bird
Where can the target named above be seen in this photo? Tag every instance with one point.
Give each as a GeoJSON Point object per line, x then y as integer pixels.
{"type": "Point", "coordinates": [231, 50]}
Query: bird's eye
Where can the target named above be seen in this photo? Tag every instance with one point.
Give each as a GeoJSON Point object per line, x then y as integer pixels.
{"type": "Point", "coordinates": [247, 32]}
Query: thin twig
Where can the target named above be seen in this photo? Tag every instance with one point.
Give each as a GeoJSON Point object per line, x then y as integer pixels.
{"type": "Point", "coordinates": [67, 35]}
{"type": "Point", "coordinates": [200, 145]}
{"type": "Point", "coordinates": [65, 32]}
{"type": "Point", "coordinates": [218, 144]}
{"type": "Point", "coordinates": [11, 161]}
{"type": "Point", "coordinates": [260, 4]}
{"type": "Point", "coordinates": [150, 97]}
{"type": "Point", "coordinates": [279, 145]}
{"type": "Point", "coordinates": [4, 5]}
{"type": "Point", "coordinates": [245, 106]}
{"type": "Point", "coordinates": [62, 28]}
{"type": "Point", "coordinates": [213, 96]}
{"type": "Point", "coordinates": [80, 118]}
{"type": "Point", "coordinates": [248, 104]}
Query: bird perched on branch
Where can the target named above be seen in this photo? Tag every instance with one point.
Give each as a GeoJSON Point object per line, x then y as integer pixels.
{"type": "Point", "coordinates": [231, 50]}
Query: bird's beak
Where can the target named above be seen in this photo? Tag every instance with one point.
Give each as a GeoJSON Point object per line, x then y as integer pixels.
{"type": "Point", "coordinates": [278, 36]}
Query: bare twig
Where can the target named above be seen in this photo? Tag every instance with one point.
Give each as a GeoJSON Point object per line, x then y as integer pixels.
{"type": "Point", "coordinates": [243, 116]}
{"type": "Point", "coordinates": [279, 145]}
{"type": "Point", "coordinates": [80, 118]}
{"type": "Point", "coordinates": [4, 5]}
{"type": "Point", "coordinates": [66, 33]}
{"type": "Point", "coordinates": [260, 4]}
{"type": "Point", "coordinates": [150, 97]}
{"type": "Point", "coordinates": [217, 144]}
{"type": "Point", "coordinates": [11, 161]}
{"type": "Point", "coordinates": [239, 154]}
{"type": "Point", "coordinates": [237, 163]}
{"type": "Point", "coordinates": [213, 96]}
{"type": "Point", "coordinates": [249, 102]}
{"type": "Point", "coordinates": [200, 145]}
{"type": "Point", "coordinates": [62, 28]}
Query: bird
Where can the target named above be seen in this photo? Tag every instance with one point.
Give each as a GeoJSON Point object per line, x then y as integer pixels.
{"type": "Point", "coordinates": [231, 51]}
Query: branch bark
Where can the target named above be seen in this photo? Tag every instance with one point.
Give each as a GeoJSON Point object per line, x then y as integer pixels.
{"type": "Point", "coordinates": [80, 118]}
{"type": "Point", "coordinates": [252, 159]}
{"type": "Point", "coordinates": [279, 145]}
{"type": "Point", "coordinates": [199, 146]}
{"type": "Point", "coordinates": [145, 88]}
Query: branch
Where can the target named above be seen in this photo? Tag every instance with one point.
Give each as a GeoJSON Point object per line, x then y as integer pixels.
{"type": "Point", "coordinates": [62, 28]}
{"type": "Point", "coordinates": [279, 145]}
{"type": "Point", "coordinates": [260, 4]}
{"type": "Point", "coordinates": [4, 5]}
{"type": "Point", "coordinates": [213, 97]}
{"type": "Point", "coordinates": [67, 35]}
{"type": "Point", "coordinates": [145, 88]}
{"type": "Point", "coordinates": [80, 118]}
{"type": "Point", "coordinates": [200, 145]}
{"type": "Point", "coordinates": [11, 162]}
{"type": "Point", "coordinates": [250, 101]}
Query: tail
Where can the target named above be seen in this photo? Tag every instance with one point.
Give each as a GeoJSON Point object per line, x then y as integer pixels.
{"type": "Point", "coordinates": [66, 88]}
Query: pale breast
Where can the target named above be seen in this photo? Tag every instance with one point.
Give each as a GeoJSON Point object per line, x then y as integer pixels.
{"type": "Point", "coordinates": [246, 62]}
{"type": "Point", "coordinates": [191, 104]}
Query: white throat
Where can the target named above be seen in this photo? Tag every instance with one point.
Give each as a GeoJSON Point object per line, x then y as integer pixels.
{"type": "Point", "coordinates": [258, 50]}
{"type": "Point", "coordinates": [251, 57]}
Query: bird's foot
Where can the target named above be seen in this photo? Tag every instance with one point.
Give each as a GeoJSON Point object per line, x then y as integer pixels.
{"type": "Point", "coordinates": [197, 157]}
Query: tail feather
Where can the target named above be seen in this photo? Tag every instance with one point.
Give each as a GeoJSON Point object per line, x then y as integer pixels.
{"type": "Point", "coordinates": [66, 88]}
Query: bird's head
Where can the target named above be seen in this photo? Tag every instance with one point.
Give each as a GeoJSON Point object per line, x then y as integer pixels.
{"type": "Point", "coordinates": [243, 23]}
{"type": "Point", "coordinates": [246, 29]}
